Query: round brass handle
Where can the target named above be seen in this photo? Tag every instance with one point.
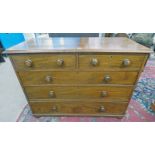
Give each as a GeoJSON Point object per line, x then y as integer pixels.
{"type": "Point", "coordinates": [28, 63]}
{"type": "Point", "coordinates": [60, 62]}
{"type": "Point", "coordinates": [48, 78]}
{"type": "Point", "coordinates": [94, 61]}
{"type": "Point", "coordinates": [104, 93]}
{"type": "Point", "coordinates": [51, 94]}
{"type": "Point", "coordinates": [126, 62]}
{"type": "Point", "coordinates": [102, 109]}
{"type": "Point", "coordinates": [54, 108]}
{"type": "Point", "coordinates": [107, 78]}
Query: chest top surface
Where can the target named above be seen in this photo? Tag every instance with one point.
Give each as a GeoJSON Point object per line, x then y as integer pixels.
{"type": "Point", "coordinates": [78, 44]}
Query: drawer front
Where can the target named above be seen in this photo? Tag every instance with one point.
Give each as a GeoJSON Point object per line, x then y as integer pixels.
{"type": "Point", "coordinates": [127, 61]}
{"type": "Point", "coordinates": [50, 92]}
{"type": "Point", "coordinates": [47, 77]}
{"type": "Point", "coordinates": [62, 108]}
{"type": "Point", "coordinates": [102, 92]}
{"type": "Point", "coordinates": [94, 61]}
{"type": "Point", "coordinates": [107, 77]}
{"type": "Point", "coordinates": [116, 61]}
{"type": "Point", "coordinates": [46, 61]}
{"type": "Point", "coordinates": [44, 78]}
{"type": "Point", "coordinates": [105, 93]}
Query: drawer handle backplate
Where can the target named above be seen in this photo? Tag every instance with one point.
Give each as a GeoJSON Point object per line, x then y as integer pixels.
{"type": "Point", "coordinates": [94, 62]}
{"type": "Point", "coordinates": [107, 78]}
{"type": "Point", "coordinates": [28, 63]}
{"type": "Point", "coordinates": [102, 109]}
{"type": "Point", "coordinates": [52, 93]}
{"type": "Point", "coordinates": [54, 108]}
{"type": "Point", "coordinates": [60, 62]}
{"type": "Point", "coordinates": [104, 93]}
{"type": "Point", "coordinates": [48, 78]}
{"type": "Point", "coordinates": [126, 62]}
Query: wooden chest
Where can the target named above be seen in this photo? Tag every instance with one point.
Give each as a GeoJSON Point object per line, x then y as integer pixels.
{"type": "Point", "coordinates": [78, 76]}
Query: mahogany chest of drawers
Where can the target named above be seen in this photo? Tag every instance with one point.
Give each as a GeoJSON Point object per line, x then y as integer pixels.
{"type": "Point", "coordinates": [78, 76]}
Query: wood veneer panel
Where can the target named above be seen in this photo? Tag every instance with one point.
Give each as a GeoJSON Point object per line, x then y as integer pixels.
{"type": "Point", "coordinates": [74, 108]}
{"type": "Point", "coordinates": [42, 62]}
{"type": "Point", "coordinates": [38, 78]}
{"type": "Point", "coordinates": [112, 93]}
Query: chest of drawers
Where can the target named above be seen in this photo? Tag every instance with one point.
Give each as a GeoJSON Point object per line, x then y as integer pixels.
{"type": "Point", "coordinates": [78, 76]}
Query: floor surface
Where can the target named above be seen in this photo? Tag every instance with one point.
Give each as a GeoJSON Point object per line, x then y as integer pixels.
{"type": "Point", "coordinates": [12, 99]}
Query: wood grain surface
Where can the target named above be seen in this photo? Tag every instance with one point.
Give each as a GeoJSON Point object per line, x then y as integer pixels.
{"type": "Point", "coordinates": [74, 108]}
{"type": "Point", "coordinates": [112, 92]}
{"type": "Point", "coordinates": [42, 62]}
{"type": "Point", "coordinates": [39, 78]}
{"type": "Point", "coordinates": [110, 61]}
{"type": "Point", "coordinates": [75, 44]}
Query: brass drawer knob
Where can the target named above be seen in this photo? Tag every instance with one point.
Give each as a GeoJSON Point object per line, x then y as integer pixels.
{"type": "Point", "coordinates": [54, 108]}
{"type": "Point", "coordinates": [102, 109]}
{"type": "Point", "coordinates": [126, 62]}
{"type": "Point", "coordinates": [51, 94]}
{"type": "Point", "coordinates": [107, 78]}
{"type": "Point", "coordinates": [104, 93]}
{"type": "Point", "coordinates": [28, 63]}
{"type": "Point", "coordinates": [60, 62]}
{"type": "Point", "coordinates": [48, 78]}
{"type": "Point", "coordinates": [94, 62]}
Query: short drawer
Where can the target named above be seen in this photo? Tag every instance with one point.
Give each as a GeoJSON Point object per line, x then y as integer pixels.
{"type": "Point", "coordinates": [115, 61]}
{"type": "Point", "coordinates": [121, 93]}
{"type": "Point", "coordinates": [42, 62]}
{"type": "Point", "coordinates": [75, 108]}
{"type": "Point", "coordinates": [46, 78]}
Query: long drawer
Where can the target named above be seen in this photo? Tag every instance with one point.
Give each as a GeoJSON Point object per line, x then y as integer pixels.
{"type": "Point", "coordinates": [101, 92]}
{"type": "Point", "coordinates": [75, 108]}
{"type": "Point", "coordinates": [47, 77]}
